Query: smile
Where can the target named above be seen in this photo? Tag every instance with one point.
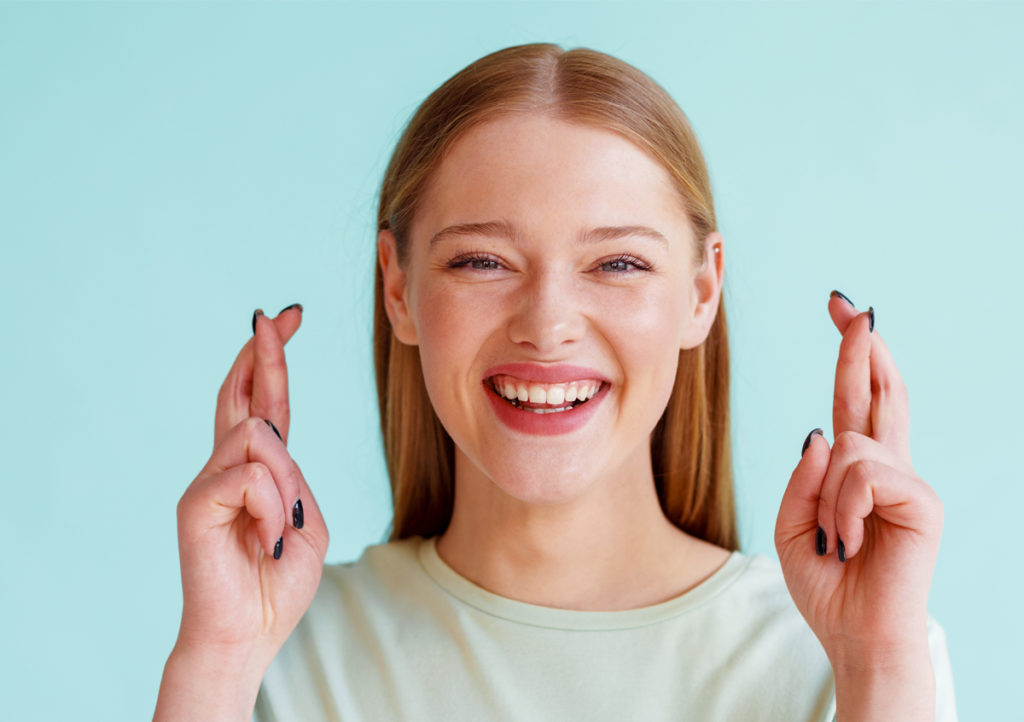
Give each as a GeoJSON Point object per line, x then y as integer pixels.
{"type": "Point", "coordinates": [543, 398]}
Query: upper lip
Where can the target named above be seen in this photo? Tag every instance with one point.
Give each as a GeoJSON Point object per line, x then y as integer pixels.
{"type": "Point", "coordinates": [547, 374]}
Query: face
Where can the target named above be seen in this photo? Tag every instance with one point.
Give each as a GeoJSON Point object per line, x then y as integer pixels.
{"type": "Point", "coordinates": [551, 281]}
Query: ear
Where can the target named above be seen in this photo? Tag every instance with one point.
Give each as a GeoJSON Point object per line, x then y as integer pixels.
{"type": "Point", "coordinates": [396, 299]}
{"type": "Point", "coordinates": [705, 292]}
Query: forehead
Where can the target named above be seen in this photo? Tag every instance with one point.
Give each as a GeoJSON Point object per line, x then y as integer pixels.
{"type": "Point", "coordinates": [549, 176]}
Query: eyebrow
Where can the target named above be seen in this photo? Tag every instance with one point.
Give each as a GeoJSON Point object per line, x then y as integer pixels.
{"type": "Point", "coordinates": [504, 229]}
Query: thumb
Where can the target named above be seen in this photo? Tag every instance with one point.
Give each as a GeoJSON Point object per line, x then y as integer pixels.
{"type": "Point", "coordinates": [798, 513]}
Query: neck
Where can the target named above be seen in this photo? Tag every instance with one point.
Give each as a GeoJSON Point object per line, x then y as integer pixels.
{"type": "Point", "coordinates": [608, 548]}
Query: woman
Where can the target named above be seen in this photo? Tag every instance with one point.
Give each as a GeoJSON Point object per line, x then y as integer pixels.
{"type": "Point", "coordinates": [553, 378]}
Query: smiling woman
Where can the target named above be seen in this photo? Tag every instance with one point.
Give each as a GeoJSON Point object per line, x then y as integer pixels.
{"type": "Point", "coordinates": [552, 368]}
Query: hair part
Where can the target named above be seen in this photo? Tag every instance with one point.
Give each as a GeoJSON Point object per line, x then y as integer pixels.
{"type": "Point", "coordinates": [690, 449]}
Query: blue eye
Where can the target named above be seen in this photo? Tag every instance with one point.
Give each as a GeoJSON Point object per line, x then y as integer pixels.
{"type": "Point", "coordinates": [624, 264]}
{"type": "Point", "coordinates": [476, 262]}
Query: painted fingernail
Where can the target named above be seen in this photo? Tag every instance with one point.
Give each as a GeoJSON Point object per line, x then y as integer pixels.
{"type": "Point", "coordinates": [842, 551]}
{"type": "Point", "coordinates": [821, 542]}
{"type": "Point", "coordinates": [842, 296]}
{"type": "Point", "coordinates": [277, 547]}
{"type": "Point", "coordinates": [271, 425]}
{"type": "Point", "coordinates": [298, 518]}
{"type": "Point", "coordinates": [257, 312]}
{"type": "Point", "coordinates": [871, 319]}
{"type": "Point", "coordinates": [807, 441]}
{"type": "Point", "coordinates": [289, 308]}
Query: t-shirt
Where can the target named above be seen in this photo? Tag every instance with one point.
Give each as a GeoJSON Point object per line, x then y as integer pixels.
{"type": "Point", "coordinates": [399, 635]}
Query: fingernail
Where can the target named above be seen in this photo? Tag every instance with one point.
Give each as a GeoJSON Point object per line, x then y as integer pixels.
{"type": "Point", "coordinates": [271, 425]}
{"type": "Point", "coordinates": [298, 519]}
{"type": "Point", "coordinates": [277, 547]}
{"type": "Point", "coordinates": [821, 542]}
{"type": "Point", "coordinates": [807, 441]}
{"type": "Point", "coordinates": [842, 296]}
{"type": "Point", "coordinates": [842, 551]}
{"type": "Point", "coordinates": [257, 312]}
{"type": "Point", "coordinates": [289, 308]}
{"type": "Point", "coordinates": [871, 319]}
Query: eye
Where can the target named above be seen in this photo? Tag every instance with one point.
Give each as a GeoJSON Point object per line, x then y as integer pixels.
{"type": "Point", "coordinates": [475, 261]}
{"type": "Point", "coordinates": [624, 263]}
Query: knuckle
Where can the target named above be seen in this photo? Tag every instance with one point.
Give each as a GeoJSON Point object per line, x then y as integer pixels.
{"type": "Point", "coordinates": [255, 473]}
{"type": "Point", "coordinates": [860, 473]}
{"type": "Point", "coordinates": [252, 427]}
{"type": "Point", "coordinates": [846, 442]}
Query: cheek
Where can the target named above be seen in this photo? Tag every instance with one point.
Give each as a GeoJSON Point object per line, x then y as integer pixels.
{"type": "Point", "coordinates": [451, 332]}
{"type": "Point", "coordinates": [646, 322]}
{"type": "Point", "coordinates": [449, 317]}
{"type": "Point", "coordinates": [645, 330]}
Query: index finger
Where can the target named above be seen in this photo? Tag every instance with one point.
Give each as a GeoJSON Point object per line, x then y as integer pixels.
{"type": "Point", "coordinates": [235, 395]}
{"type": "Point", "coordinates": [870, 396]}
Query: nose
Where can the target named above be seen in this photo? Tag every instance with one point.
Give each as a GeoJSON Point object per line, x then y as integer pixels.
{"type": "Point", "coordinates": [548, 313]}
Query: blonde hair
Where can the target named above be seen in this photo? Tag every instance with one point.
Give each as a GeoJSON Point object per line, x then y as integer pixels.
{"type": "Point", "coordinates": [690, 449]}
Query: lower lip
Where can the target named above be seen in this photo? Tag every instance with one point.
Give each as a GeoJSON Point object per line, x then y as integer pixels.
{"type": "Point", "coordinates": [527, 422]}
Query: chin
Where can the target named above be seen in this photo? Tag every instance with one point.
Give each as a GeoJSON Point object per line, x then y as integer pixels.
{"type": "Point", "coordinates": [542, 481]}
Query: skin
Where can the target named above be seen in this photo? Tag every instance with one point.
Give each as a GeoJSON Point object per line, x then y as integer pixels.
{"type": "Point", "coordinates": [569, 521]}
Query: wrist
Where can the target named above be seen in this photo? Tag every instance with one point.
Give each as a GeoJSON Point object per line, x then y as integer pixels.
{"type": "Point", "coordinates": [889, 683]}
{"type": "Point", "coordinates": [209, 682]}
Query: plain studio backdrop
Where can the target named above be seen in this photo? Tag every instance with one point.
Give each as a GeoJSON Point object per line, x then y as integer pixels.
{"type": "Point", "coordinates": [167, 168]}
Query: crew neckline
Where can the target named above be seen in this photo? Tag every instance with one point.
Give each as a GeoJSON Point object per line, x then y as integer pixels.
{"type": "Point", "coordinates": [571, 619]}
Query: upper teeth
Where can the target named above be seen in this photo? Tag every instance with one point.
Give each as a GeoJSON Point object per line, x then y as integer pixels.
{"type": "Point", "coordinates": [537, 393]}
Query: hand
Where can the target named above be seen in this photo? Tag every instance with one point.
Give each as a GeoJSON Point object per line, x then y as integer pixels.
{"type": "Point", "coordinates": [858, 531]}
{"type": "Point", "coordinates": [250, 535]}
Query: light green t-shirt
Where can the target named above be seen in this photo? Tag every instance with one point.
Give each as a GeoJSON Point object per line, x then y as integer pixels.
{"type": "Point", "coordinates": [399, 635]}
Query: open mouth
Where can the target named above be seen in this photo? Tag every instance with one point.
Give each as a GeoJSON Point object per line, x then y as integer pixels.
{"type": "Point", "coordinates": [541, 398]}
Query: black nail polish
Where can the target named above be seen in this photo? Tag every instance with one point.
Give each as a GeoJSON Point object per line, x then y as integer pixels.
{"type": "Point", "coordinates": [271, 425]}
{"type": "Point", "coordinates": [289, 308]}
{"type": "Point", "coordinates": [871, 319]}
{"type": "Point", "coordinates": [842, 296]}
{"type": "Point", "coordinates": [298, 518]}
{"type": "Point", "coordinates": [842, 551]}
{"type": "Point", "coordinates": [807, 441]}
{"type": "Point", "coordinates": [821, 542]}
{"type": "Point", "coordinates": [257, 312]}
{"type": "Point", "coordinates": [277, 547]}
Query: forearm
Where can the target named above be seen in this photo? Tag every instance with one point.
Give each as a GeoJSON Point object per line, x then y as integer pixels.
{"type": "Point", "coordinates": [209, 686]}
{"type": "Point", "coordinates": [900, 687]}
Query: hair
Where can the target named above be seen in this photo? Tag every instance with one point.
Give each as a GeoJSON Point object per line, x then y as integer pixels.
{"type": "Point", "coordinates": [690, 448]}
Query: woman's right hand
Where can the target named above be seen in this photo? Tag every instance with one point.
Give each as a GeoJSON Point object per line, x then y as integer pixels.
{"type": "Point", "coordinates": [248, 505]}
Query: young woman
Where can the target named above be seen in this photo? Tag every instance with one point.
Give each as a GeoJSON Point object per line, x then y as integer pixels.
{"type": "Point", "coordinates": [552, 370]}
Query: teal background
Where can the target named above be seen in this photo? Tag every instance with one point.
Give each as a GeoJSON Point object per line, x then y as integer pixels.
{"type": "Point", "coordinates": [167, 168]}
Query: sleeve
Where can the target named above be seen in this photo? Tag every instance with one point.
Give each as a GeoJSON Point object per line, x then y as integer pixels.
{"type": "Point", "coordinates": [945, 700]}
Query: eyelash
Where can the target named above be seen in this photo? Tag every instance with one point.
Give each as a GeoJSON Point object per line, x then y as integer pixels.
{"type": "Point", "coordinates": [471, 260]}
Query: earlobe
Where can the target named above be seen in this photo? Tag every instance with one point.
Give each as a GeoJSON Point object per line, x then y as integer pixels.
{"type": "Point", "coordinates": [395, 289]}
{"type": "Point", "coordinates": [706, 290]}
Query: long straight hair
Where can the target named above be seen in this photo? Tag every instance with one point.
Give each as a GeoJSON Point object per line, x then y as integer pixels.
{"type": "Point", "coordinates": [690, 450]}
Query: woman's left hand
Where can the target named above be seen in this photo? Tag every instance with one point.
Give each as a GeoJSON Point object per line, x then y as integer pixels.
{"type": "Point", "coordinates": [858, 533]}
